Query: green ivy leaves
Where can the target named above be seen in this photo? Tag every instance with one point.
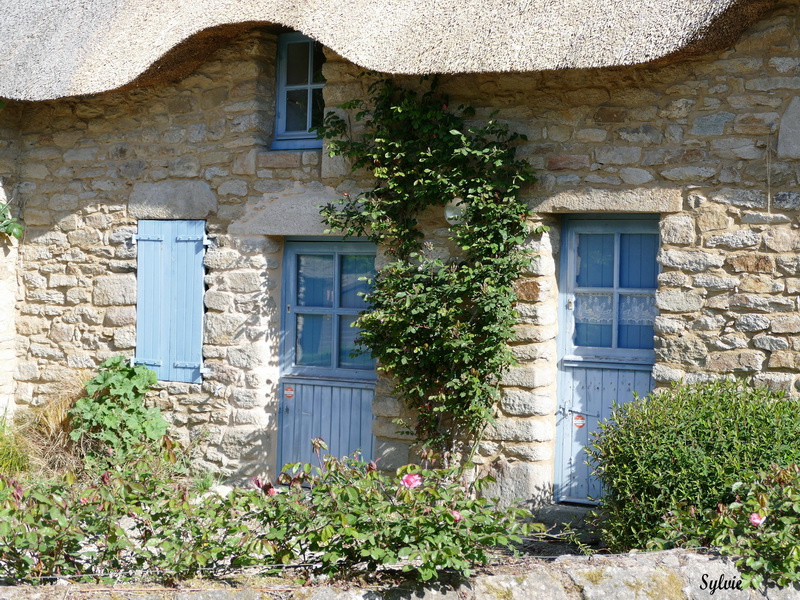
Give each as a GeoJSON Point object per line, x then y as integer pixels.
{"type": "Point", "coordinates": [439, 328]}
{"type": "Point", "coordinates": [8, 224]}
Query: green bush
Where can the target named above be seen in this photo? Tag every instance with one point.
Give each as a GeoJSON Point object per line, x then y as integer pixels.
{"type": "Point", "coordinates": [761, 528]}
{"type": "Point", "coordinates": [686, 444]}
{"type": "Point", "coordinates": [140, 522]}
{"type": "Point", "coordinates": [112, 421]}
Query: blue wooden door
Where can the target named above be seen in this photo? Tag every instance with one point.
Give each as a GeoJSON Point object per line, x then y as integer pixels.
{"type": "Point", "coordinates": [326, 387]}
{"type": "Point", "coordinates": [607, 297]}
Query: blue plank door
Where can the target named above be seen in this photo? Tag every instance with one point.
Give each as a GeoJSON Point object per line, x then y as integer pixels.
{"type": "Point", "coordinates": [607, 310]}
{"type": "Point", "coordinates": [169, 305]}
{"type": "Point", "coordinates": [327, 387]}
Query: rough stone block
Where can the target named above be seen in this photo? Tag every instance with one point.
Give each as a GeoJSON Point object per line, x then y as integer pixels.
{"type": "Point", "coordinates": [172, 199]}
{"type": "Point", "coordinates": [752, 323]}
{"type": "Point", "coordinates": [678, 301]}
{"type": "Point", "coordinates": [744, 238]}
{"type": "Point", "coordinates": [787, 324]}
{"type": "Point", "coordinates": [789, 131]}
{"type": "Point", "coordinates": [770, 342]}
{"type": "Point", "coordinates": [751, 263]}
{"type": "Point", "coordinates": [224, 329]}
{"type": "Point", "coordinates": [677, 229]}
{"type": "Point", "coordinates": [634, 176]}
{"type": "Point", "coordinates": [690, 260]}
{"type": "Point", "coordinates": [114, 290]}
{"type": "Point", "coordinates": [747, 198]}
{"type": "Point", "coordinates": [787, 200]}
{"type": "Point", "coordinates": [713, 124]}
{"type": "Point", "coordinates": [568, 161]}
{"type": "Point", "coordinates": [529, 376]}
{"type": "Point", "coordinates": [125, 337]}
{"type": "Point", "coordinates": [119, 316]}
{"type": "Point", "coordinates": [689, 173]}
{"type": "Point", "coordinates": [782, 239]}
{"type": "Point", "coordinates": [618, 155]}
{"type": "Point", "coordinates": [523, 403]}
{"type": "Point", "coordinates": [244, 282]}
{"type": "Point", "coordinates": [736, 361]}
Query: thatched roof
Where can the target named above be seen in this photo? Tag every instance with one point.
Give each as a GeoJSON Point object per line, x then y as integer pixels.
{"type": "Point", "coordinates": [56, 48]}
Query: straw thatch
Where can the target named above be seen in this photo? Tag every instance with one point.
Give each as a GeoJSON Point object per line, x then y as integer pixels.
{"type": "Point", "coordinates": [57, 48]}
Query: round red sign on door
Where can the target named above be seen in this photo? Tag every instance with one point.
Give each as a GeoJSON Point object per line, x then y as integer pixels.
{"type": "Point", "coordinates": [579, 421]}
{"type": "Point", "coordinates": [288, 391]}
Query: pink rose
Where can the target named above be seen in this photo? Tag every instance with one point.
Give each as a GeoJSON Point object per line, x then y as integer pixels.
{"type": "Point", "coordinates": [84, 500]}
{"type": "Point", "coordinates": [456, 515]}
{"type": "Point", "coordinates": [411, 480]}
{"type": "Point", "coordinates": [756, 519]}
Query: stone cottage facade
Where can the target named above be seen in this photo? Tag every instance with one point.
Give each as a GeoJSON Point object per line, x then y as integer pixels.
{"type": "Point", "coordinates": [703, 151]}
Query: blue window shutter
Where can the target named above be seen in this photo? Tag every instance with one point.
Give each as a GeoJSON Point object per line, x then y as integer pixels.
{"type": "Point", "coordinates": [170, 299]}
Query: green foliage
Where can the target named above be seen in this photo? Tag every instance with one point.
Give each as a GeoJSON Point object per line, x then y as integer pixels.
{"type": "Point", "coordinates": [686, 444]}
{"type": "Point", "coordinates": [111, 421]}
{"type": "Point", "coordinates": [439, 328]}
{"type": "Point", "coordinates": [761, 528]}
{"type": "Point", "coordinates": [13, 455]}
{"type": "Point", "coordinates": [140, 522]}
{"type": "Point", "coordinates": [9, 225]}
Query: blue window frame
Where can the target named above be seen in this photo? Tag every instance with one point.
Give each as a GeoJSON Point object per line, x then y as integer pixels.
{"type": "Point", "coordinates": [169, 305]}
{"type": "Point", "coordinates": [323, 283]}
{"type": "Point", "coordinates": [610, 284]}
{"type": "Point", "coordinates": [299, 102]}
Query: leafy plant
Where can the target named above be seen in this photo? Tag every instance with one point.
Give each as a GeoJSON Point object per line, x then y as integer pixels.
{"type": "Point", "coordinates": [686, 444]}
{"type": "Point", "coordinates": [140, 521]}
{"type": "Point", "coordinates": [112, 421]}
{"type": "Point", "coordinates": [440, 328]}
{"type": "Point", "coordinates": [431, 516]}
{"type": "Point", "coordinates": [761, 528]}
{"type": "Point", "coordinates": [9, 225]}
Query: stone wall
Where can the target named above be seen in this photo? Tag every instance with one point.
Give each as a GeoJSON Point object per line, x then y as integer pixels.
{"type": "Point", "coordinates": [706, 143]}
{"type": "Point", "coordinates": [194, 149]}
{"type": "Point", "coordinates": [9, 178]}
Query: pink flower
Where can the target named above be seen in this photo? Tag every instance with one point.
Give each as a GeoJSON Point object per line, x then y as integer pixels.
{"type": "Point", "coordinates": [84, 500]}
{"type": "Point", "coordinates": [411, 480]}
{"type": "Point", "coordinates": [756, 519]}
{"type": "Point", "coordinates": [456, 515]}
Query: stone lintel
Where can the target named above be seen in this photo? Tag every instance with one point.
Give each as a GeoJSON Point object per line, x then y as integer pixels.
{"type": "Point", "coordinates": [639, 200]}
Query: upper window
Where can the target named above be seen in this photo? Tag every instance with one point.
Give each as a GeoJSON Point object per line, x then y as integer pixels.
{"type": "Point", "coordinates": [299, 92]}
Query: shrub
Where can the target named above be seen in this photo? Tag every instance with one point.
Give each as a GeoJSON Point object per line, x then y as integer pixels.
{"type": "Point", "coordinates": [688, 443]}
{"type": "Point", "coordinates": [761, 528]}
{"type": "Point", "coordinates": [140, 522]}
{"type": "Point", "coordinates": [112, 421]}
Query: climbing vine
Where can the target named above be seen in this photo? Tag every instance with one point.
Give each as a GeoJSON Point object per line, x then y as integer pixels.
{"type": "Point", "coordinates": [439, 327]}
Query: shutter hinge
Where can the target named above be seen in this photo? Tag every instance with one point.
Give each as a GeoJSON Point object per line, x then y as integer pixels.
{"type": "Point", "coordinates": [206, 241]}
{"type": "Point", "coordinates": [147, 362]}
{"type": "Point", "coordinates": [186, 365]}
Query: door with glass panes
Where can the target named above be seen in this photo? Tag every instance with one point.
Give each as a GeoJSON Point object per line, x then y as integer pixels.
{"type": "Point", "coordinates": [326, 386]}
{"type": "Point", "coordinates": [607, 310]}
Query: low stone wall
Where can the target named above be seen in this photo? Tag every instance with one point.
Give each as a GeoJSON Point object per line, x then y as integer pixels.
{"type": "Point", "coordinates": [671, 575]}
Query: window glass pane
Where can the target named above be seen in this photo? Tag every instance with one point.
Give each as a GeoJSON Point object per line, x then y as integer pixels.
{"type": "Point", "coordinates": [594, 319]}
{"type": "Point", "coordinates": [315, 280]}
{"type": "Point", "coordinates": [636, 317]}
{"type": "Point", "coordinates": [319, 59]}
{"type": "Point", "coordinates": [352, 269]}
{"type": "Point", "coordinates": [347, 344]}
{"type": "Point", "coordinates": [297, 63]}
{"type": "Point", "coordinates": [637, 260]}
{"type": "Point", "coordinates": [595, 260]}
{"type": "Point", "coordinates": [297, 110]}
{"type": "Point", "coordinates": [313, 340]}
{"type": "Point", "coordinates": [317, 107]}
